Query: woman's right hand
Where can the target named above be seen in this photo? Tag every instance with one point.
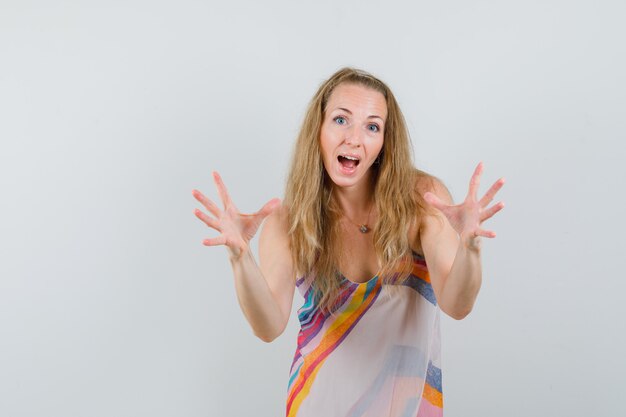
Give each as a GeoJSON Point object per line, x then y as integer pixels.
{"type": "Point", "coordinates": [236, 229]}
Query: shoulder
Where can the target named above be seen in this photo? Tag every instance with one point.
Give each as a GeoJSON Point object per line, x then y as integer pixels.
{"type": "Point", "coordinates": [274, 245]}
{"type": "Point", "coordinates": [425, 182]}
{"type": "Point", "coordinates": [429, 220]}
{"type": "Point", "coordinates": [277, 223]}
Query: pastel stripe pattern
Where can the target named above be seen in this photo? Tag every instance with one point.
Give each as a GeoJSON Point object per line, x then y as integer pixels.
{"type": "Point", "coordinates": [334, 334]}
{"type": "Point", "coordinates": [376, 356]}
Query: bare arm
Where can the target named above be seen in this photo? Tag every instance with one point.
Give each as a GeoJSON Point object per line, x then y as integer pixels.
{"type": "Point", "coordinates": [264, 293]}
{"type": "Point", "coordinates": [267, 302]}
{"type": "Point", "coordinates": [455, 270]}
{"type": "Point", "coordinates": [451, 243]}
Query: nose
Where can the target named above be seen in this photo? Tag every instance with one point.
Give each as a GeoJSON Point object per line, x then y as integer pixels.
{"type": "Point", "coordinates": [353, 136]}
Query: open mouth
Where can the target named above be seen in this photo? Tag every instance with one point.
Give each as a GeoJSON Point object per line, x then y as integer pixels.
{"type": "Point", "coordinates": [348, 162]}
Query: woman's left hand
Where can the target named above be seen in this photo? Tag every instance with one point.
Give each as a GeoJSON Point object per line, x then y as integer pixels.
{"type": "Point", "coordinates": [466, 218]}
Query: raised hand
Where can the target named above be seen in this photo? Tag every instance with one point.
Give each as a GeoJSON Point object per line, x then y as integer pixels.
{"type": "Point", "coordinates": [466, 218]}
{"type": "Point", "coordinates": [236, 229]}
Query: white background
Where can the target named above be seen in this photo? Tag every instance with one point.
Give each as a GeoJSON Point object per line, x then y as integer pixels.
{"type": "Point", "coordinates": [112, 112]}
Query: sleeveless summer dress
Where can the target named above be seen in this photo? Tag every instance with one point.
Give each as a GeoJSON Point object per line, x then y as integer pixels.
{"type": "Point", "coordinates": [378, 356]}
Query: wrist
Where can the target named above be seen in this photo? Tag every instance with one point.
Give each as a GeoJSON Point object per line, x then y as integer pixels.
{"type": "Point", "coordinates": [471, 242]}
{"type": "Point", "coordinates": [238, 253]}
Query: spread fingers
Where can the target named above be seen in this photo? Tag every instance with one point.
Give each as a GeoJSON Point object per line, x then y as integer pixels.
{"type": "Point", "coordinates": [485, 233]}
{"type": "Point", "coordinates": [484, 202]}
{"type": "Point", "coordinates": [209, 221]}
{"type": "Point", "coordinates": [221, 189]}
{"type": "Point", "coordinates": [220, 240]}
{"type": "Point", "coordinates": [491, 211]}
{"type": "Point", "coordinates": [475, 181]}
{"type": "Point", "coordinates": [213, 209]}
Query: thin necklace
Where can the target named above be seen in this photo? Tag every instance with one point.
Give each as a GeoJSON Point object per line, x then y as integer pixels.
{"type": "Point", "coordinates": [364, 228]}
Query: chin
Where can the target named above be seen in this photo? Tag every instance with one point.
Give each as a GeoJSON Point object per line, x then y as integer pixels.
{"type": "Point", "coordinates": [343, 182]}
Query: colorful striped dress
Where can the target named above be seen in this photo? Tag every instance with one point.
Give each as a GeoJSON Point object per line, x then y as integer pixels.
{"type": "Point", "coordinates": [378, 356]}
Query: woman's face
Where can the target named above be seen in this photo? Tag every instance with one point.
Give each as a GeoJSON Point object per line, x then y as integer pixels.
{"type": "Point", "coordinates": [352, 132]}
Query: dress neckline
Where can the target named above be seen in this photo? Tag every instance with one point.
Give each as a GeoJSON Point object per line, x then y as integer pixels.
{"type": "Point", "coordinates": [375, 277]}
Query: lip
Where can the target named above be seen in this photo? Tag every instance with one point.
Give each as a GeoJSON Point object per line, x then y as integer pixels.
{"type": "Point", "coordinates": [347, 171]}
{"type": "Point", "coordinates": [351, 155]}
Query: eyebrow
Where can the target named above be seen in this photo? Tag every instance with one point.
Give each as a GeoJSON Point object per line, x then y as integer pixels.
{"type": "Point", "coordinates": [373, 116]}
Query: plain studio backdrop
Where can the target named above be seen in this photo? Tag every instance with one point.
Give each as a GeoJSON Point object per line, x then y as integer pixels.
{"type": "Point", "coordinates": [112, 112]}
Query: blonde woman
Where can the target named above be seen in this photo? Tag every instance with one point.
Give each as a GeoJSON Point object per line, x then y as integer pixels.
{"type": "Point", "coordinates": [376, 248]}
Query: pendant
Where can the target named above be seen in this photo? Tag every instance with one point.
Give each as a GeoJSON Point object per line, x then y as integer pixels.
{"type": "Point", "coordinates": [364, 228]}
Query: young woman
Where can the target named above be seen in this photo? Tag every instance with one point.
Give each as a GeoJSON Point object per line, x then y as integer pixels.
{"type": "Point", "coordinates": [376, 248]}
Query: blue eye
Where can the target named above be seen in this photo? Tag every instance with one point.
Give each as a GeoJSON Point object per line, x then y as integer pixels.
{"type": "Point", "coordinates": [375, 128]}
{"type": "Point", "coordinates": [338, 118]}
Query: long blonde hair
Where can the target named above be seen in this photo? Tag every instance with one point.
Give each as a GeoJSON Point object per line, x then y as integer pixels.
{"type": "Point", "coordinates": [313, 213]}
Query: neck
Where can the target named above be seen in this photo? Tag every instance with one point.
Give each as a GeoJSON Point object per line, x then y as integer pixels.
{"type": "Point", "coordinates": [356, 201]}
